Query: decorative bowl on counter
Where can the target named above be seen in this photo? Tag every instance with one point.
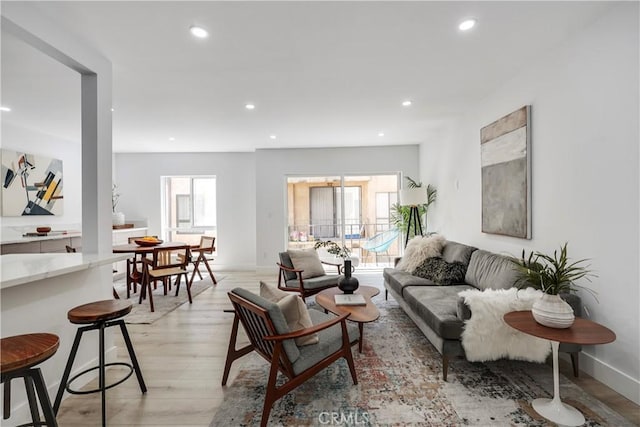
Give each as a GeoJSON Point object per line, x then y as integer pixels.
{"type": "Point", "coordinates": [147, 242]}
{"type": "Point", "coordinates": [43, 229]}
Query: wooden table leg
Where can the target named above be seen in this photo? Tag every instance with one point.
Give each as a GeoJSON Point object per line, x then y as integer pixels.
{"type": "Point", "coordinates": [361, 329]}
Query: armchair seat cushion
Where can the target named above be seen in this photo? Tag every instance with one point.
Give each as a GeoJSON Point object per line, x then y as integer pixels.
{"type": "Point", "coordinates": [314, 282]}
{"type": "Point", "coordinates": [330, 341]}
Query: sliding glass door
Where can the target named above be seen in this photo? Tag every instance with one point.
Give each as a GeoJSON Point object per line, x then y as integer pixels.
{"type": "Point", "coordinates": [344, 209]}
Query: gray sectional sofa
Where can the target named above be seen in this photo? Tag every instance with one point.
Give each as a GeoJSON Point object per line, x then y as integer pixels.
{"type": "Point", "coordinates": [438, 310]}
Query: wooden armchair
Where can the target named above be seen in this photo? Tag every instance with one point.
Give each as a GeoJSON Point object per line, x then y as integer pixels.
{"type": "Point", "coordinates": [270, 337]}
{"type": "Point", "coordinates": [165, 263]}
{"type": "Point", "coordinates": [291, 279]}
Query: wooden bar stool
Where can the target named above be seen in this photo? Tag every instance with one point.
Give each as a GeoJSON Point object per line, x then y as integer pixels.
{"type": "Point", "coordinates": [19, 355]}
{"type": "Point", "coordinates": [99, 315]}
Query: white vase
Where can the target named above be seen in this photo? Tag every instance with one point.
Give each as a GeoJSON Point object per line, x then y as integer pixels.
{"type": "Point", "coordinates": [118, 218]}
{"type": "Point", "coordinates": [553, 311]}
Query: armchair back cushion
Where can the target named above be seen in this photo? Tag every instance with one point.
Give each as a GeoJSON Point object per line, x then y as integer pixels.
{"type": "Point", "coordinates": [277, 318]}
{"type": "Point", "coordinates": [285, 260]}
{"type": "Point", "coordinates": [307, 260]}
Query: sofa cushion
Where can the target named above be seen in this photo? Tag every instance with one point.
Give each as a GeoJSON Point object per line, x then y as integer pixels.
{"type": "Point", "coordinates": [308, 261]}
{"type": "Point", "coordinates": [454, 251]}
{"type": "Point", "coordinates": [442, 272]}
{"type": "Point", "coordinates": [398, 280]}
{"type": "Point", "coordinates": [490, 271]}
{"type": "Point", "coordinates": [418, 249]}
{"type": "Point", "coordinates": [437, 306]}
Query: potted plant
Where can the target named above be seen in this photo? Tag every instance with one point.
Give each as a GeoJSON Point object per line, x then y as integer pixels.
{"type": "Point", "coordinates": [554, 275]}
{"type": "Point", "coordinates": [333, 248]}
{"type": "Point", "coordinates": [400, 214]}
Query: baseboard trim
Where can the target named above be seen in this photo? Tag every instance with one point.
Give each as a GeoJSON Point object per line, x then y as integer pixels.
{"type": "Point", "coordinates": [619, 381]}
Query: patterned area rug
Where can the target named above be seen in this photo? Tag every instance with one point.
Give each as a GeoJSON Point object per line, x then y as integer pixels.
{"type": "Point", "coordinates": [163, 304]}
{"type": "Point", "coordinates": [400, 383]}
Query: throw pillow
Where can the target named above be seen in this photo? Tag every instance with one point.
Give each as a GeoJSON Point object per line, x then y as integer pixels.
{"type": "Point", "coordinates": [293, 309]}
{"type": "Point", "coordinates": [441, 272]}
{"type": "Point", "coordinates": [420, 248]}
{"type": "Point", "coordinates": [308, 261]}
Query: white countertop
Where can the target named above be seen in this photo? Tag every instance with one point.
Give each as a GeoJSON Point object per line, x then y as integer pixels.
{"type": "Point", "coordinates": [18, 269]}
{"type": "Point", "coordinates": [15, 235]}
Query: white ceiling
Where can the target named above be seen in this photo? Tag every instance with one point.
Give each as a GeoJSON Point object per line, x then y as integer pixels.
{"type": "Point", "coordinates": [319, 73]}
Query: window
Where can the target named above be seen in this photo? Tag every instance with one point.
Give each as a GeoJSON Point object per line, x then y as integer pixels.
{"type": "Point", "coordinates": [189, 208]}
{"type": "Point", "coordinates": [384, 201]}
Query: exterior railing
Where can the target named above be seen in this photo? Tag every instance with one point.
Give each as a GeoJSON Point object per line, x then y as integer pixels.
{"type": "Point", "coordinates": [355, 236]}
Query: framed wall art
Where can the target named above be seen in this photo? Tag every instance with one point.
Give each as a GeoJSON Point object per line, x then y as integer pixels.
{"type": "Point", "coordinates": [31, 184]}
{"type": "Point", "coordinates": [506, 175]}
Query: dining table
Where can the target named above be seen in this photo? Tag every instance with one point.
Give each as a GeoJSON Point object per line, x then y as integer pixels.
{"type": "Point", "coordinates": [133, 275]}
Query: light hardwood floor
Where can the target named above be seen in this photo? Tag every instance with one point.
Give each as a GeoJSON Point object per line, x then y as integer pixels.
{"type": "Point", "coordinates": [182, 357]}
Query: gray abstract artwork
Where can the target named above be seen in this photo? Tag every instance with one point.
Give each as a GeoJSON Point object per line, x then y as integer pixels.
{"type": "Point", "coordinates": [506, 175]}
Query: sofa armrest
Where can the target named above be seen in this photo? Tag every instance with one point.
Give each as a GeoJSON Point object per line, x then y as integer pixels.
{"type": "Point", "coordinates": [462, 310]}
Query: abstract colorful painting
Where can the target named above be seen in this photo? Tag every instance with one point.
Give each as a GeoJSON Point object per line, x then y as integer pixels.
{"type": "Point", "coordinates": [31, 184]}
{"type": "Point", "coordinates": [506, 175]}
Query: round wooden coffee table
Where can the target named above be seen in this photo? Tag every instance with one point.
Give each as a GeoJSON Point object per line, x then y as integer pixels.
{"type": "Point", "coordinates": [360, 314]}
{"type": "Point", "coordinates": [583, 332]}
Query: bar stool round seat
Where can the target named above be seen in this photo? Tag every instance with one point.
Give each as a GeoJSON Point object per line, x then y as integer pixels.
{"type": "Point", "coordinates": [18, 357]}
{"type": "Point", "coordinates": [99, 315]}
{"type": "Point", "coordinates": [99, 311]}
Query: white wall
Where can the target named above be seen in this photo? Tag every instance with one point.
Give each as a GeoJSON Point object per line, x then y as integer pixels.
{"type": "Point", "coordinates": [138, 180]}
{"type": "Point", "coordinates": [272, 167]}
{"type": "Point", "coordinates": [585, 179]}
{"type": "Point", "coordinates": [32, 141]}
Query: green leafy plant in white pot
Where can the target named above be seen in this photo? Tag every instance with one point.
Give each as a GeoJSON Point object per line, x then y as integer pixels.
{"type": "Point", "coordinates": [554, 275]}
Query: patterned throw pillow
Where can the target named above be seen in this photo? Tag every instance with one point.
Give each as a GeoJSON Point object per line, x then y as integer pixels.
{"type": "Point", "coordinates": [441, 272]}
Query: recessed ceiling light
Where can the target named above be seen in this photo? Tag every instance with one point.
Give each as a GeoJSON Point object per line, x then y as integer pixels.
{"type": "Point", "coordinates": [171, 138]}
{"type": "Point", "coordinates": [198, 32]}
{"type": "Point", "coordinates": [467, 24]}
{"type": "Point", "coordinates": [406, 103]}
{"type": "Point", "coordinates": [250, 107]}
{"type": "Point", "coordinates": [380, 134]}
{"type": "Point", "coordinates": [272, 136]}
{"type": "Point", "coordinates": [5, 109]}
{"type": "Point", "coordinates": [113, 109]}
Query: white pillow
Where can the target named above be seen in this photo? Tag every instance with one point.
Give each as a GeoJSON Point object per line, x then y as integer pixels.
{"type": "Point", "coordinates": [293, 309]}
{"type": "Point", "coordinates": [307, 260]}
{"type": "Point", "coordinates": [420, 248]}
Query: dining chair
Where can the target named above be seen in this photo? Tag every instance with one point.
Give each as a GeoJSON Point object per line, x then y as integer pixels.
{"type": "Point", "coordinates": [207, 246]}
{"type": "Point", "coordinates": [134, 276]}
{"type": "Point", "coordinates": [165, 263]}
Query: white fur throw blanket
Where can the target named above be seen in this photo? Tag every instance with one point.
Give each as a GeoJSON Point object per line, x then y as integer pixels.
{"type": "Point", "coordinates": [487, 337]}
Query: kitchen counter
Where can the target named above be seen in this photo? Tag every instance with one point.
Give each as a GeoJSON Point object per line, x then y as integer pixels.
{"type": "Point", "coordinates": [19, 238]}
{"type": "Point", "coordinates": [18, 269]}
